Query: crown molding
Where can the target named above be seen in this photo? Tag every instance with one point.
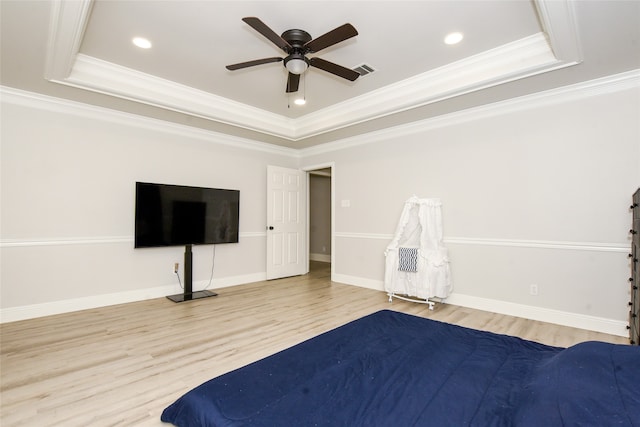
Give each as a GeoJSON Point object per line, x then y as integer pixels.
{"type": "Point", "coordinates": [531, 55]}
{"type": "Point", "coordinates": [557, 47]}
{"type": "Point", "coordinates": [39, 101]}
{"type": "Point", "coordinates": [601, 86]}
{"type": "Point", "coordinates": [67, 24]}
{"type": "Point", "coordinates": [610, 84]}
{"type": "Point", "coordinates": [513, 61]}
{"type": "Point", "coordinates": [111, 79]}
{"type": "Point", "coordinates": [559, 23]}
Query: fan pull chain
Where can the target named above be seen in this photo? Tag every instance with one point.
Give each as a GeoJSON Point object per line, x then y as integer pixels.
{"type": "Point", "coordinates": [304, 87]}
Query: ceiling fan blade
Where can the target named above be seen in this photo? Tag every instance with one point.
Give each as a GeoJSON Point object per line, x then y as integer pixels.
{"type": "Point", "coordinates": [337, 35]}
{"type": "Point", "coordinates": [252, 63]}
{"type": "Point", "coordinates": [293, 81]}
{"type": "Point", "coordinates": [263, 29]}
{"type": "Point", "coordinates": [332, 68]}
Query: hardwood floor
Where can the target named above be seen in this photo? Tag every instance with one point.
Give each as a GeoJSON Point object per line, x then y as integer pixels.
{"type": "Point", "coordinates": [122, 365]}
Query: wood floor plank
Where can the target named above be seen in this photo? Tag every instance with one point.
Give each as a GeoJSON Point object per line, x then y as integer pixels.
{"type": "Point", "coordinates": [122, 365]}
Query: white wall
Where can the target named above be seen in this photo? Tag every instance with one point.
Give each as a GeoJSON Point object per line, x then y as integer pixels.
{"type": "Point", "coordinates": [534, 191]}
{"type": "Point", "coordinates": [68, 186]}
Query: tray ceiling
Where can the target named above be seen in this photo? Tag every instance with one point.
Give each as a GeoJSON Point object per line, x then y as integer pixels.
{"type": "Point", "coordinates": [88, 47]}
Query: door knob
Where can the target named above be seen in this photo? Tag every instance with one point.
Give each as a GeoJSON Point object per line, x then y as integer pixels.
{"type": "Point", "coordinates": [271, 227]}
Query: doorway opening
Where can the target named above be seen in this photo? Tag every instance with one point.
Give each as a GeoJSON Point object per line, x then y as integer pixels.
{"type": "Point", "coordinates": [320, 218]}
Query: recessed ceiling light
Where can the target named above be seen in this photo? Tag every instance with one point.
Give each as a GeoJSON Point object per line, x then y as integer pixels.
{"type": "Point", "coordinates": [453, 38]}
{"type": "Point", "coordinates": [141, 42]}
{"type": "Point", "coordinates": [299, 101]}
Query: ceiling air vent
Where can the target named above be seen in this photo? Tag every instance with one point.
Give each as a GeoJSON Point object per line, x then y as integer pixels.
{"type": "Point", "coordinates": [364, 69]}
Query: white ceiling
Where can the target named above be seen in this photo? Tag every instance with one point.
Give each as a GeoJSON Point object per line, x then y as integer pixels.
{"type": "Point", "coordinates": [511, 48]}
{"type": "Point", "coordinates": [395, 41]}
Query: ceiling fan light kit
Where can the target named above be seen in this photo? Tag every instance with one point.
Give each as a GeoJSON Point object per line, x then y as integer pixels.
{"type": "Point", "coordinates": [296, 63]}
{"type": "Point", "coordinates": [297, 44]}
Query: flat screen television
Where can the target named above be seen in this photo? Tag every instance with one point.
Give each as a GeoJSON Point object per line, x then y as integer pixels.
{"type": "Point", "coordinates": [176, 215]}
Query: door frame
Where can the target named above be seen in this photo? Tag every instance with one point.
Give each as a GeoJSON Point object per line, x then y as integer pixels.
{"type": "Point", "coordinates": [308, 170]}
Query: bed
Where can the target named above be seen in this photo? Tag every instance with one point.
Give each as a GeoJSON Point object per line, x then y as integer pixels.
{"type": "Point", "coordinates": [395, 369]}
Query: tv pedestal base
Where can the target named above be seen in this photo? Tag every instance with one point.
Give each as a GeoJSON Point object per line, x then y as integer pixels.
{"type": "Point", "coordinates": [191, 296]}
{"type": "Point", "coordinates": [188, 294]}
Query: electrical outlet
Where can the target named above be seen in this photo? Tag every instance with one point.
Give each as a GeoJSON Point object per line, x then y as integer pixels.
{"type": "Point", "coordinates": [533, 289]}
{"type": "Point", "coordinates": [176, 266]}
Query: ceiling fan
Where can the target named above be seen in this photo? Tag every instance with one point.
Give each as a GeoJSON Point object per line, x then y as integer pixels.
{"type": "Point", "coordinates": [297, 44]}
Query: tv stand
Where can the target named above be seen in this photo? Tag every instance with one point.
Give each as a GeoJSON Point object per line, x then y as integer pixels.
{"type": "Point", "coordinates": [188, 293]}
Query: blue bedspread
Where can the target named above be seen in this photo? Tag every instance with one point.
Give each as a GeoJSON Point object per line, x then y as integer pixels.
{"type": "Point", "coordinates": [394, 369]}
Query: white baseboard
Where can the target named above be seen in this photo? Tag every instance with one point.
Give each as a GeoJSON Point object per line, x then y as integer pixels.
{"type": "Point", "coordinates": [574, 320]}
{"type": "Point", "coordinates": [13, 314]}
{"type": "Point", "coordinates": [320, 257]}
{"type": "Point", "coordinates": [564, 318]}
{"type": "Point", "coordinates": [592, 323]}
{"type": "Point", "coordinates": [377, 285]}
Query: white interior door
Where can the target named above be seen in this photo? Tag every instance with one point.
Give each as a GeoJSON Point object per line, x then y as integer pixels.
{"type": "Point", "coordinates": [286, 222]}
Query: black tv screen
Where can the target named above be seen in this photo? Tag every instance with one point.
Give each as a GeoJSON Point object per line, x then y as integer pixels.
{"type": "Point", "coordinates": [176, 215]}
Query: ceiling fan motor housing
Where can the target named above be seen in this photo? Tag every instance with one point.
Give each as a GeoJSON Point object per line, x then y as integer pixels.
{"type": "Point", "coordinates": [296, 38]}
